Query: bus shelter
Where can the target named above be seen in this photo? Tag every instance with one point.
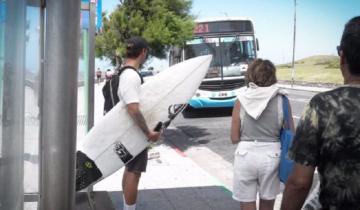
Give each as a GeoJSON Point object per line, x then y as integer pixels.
{"type": "Point", "coordinates": [46, 68]}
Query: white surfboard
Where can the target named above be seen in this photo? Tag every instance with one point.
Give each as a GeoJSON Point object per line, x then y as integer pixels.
{"type": "Point", "coordinates": [116, 139]}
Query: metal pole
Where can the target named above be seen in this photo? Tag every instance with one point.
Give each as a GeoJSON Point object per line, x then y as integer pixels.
{"type": "Point", "coordinates": [89, 84]}
{"type": "Point", "coordinates": [12, 162]}
{"type": "Point", "coordinates": [293, 58]}
{"type": "Point", "coordinates": [59, 105]}
{"type": "Point", "coordinates": [91, 73]}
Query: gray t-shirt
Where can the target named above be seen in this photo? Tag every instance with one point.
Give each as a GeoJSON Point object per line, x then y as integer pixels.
{"type": "Point", "coordinates": [267, 127]}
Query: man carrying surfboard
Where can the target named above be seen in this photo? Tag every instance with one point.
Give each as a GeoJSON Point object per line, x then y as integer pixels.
{"type": "Point", "coordinates": [128, 92]}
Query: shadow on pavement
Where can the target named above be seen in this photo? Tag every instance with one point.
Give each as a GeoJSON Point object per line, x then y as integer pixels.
{"type": "Point", "coordinates": [199, 198]}
{"type": "Point", "coordinates": [186, 137]}
{"type": "Point", "coordinates": [100, 200]}
{"type": "Point", "coordinates": [206, 113]}
{"type": "Point", "coordinates": [189, 137]}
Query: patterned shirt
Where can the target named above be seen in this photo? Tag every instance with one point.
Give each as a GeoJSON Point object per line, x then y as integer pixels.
{"type": "Point", "coordinates": [328, 136]}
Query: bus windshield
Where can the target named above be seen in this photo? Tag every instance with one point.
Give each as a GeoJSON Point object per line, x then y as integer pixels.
{"type": "Point", "coordinates": [206, 46]}
{"type": "Point", "coordinates": [228, 53]}
{"type": "Point", "coordinates": [236, 51]}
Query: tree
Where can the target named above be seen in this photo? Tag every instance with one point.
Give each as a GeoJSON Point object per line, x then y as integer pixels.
{"type": "Point", "coordinates": [162, 23]}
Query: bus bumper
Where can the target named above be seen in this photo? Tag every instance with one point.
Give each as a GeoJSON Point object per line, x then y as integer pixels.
{"type": "Point", "coordinates": [199, 102]}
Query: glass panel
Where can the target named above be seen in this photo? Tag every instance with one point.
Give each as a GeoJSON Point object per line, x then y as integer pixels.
{"type": "Point", "coordinates": [32, 100]}
{"type": "Point", "coordinates": [206, 46]}
{"type": "Point", "coordinates": [19, 101]}
{"type": "Point", "coordinates": [2, 59]}
{"type": "Point", "coordinates": [12, 83]}
{"type": "Point", "coordinates": [236, 52]}
{"type": "Point", "coordinates": [82, 119]}
{"type": "Point", "coordinates": [231, 54]}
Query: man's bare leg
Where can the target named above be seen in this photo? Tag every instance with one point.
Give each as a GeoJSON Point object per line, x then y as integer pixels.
{"type": "Point", "coordinates": [130, 184]}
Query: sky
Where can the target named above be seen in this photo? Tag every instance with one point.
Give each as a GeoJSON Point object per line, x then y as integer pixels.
{"type": "Point", "coordinates": [318, 30]}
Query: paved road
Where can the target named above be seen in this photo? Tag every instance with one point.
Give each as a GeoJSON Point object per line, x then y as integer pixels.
{"type": "Point", "coordinates": [298, 100]}
{"type": "Point", "coordinates": [211, 127]}
{"type": "Point", "coordinates": [205, 136]}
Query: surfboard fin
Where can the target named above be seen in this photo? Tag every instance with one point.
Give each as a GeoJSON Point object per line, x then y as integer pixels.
{"type": "Point", "coordinates": [86, 171]}
{"type": "Point", "coordinates": [158, 127]}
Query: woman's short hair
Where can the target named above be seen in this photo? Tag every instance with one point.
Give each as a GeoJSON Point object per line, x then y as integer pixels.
{"type": "Point", "coordinates": [262, 73]}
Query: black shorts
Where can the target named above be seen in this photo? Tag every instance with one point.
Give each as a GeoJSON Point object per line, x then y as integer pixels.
{"type": "Point", "coordinates": [139, 163]}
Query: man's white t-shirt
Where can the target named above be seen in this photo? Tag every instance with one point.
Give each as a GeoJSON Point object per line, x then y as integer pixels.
{"type": "Point", "coordinates": [129, 86]}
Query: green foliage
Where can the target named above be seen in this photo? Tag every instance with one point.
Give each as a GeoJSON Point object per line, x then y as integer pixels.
{"type": "Point", "coordinates": [284, 66]}
{"type": "Point", "coordinates": [161, 22]}
{"type": "Point", "coordinates": [318, 69]}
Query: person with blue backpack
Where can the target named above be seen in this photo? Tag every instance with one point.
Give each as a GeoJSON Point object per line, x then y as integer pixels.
{"type": "Point", "coordinates": [257, 121]}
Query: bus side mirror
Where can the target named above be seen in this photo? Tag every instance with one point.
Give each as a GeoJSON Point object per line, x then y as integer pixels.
{"type": "Point", "coordinates": [257, 44]}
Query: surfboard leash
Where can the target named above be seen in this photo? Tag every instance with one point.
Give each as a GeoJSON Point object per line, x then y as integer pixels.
{"type": "Point", "coordinates": [173, 111]}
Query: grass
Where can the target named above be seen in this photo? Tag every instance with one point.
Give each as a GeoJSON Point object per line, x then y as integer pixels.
{"type": "Point", "coordinates": [317, 69]}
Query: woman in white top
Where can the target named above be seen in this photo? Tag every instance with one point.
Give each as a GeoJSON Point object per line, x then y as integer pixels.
{"type": "Point", "coordinates": [256, 123]}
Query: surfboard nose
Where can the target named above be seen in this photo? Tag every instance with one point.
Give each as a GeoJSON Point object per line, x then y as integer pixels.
{"type": "Point", "coordinates": [200, 64]}
{"type": "Point", "coordinates": [194, 67]}
{"type": "Point", "coordinates": [205, 59]}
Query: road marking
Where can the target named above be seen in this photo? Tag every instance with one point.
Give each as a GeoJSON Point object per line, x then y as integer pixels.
{"type": "Point", "coordinates": [296, 117]}
{"type": "Point", "coordinates": [177, 150]}
{"type": "Point", "coordinates": [302, 100]}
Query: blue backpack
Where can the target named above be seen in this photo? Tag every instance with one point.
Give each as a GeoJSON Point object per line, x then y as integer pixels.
{"type": "Point", "coordinates": [286, 139]}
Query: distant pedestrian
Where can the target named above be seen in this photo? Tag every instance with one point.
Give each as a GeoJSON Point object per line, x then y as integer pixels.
{"type": "Point", "coordinates": [328, 137]}
{"type": "Point", "coordinates": [98, 75]}
{"type": "Point", "coordinates": [257, 119]}
{"type": "Point", "coordinates": [108, 74]}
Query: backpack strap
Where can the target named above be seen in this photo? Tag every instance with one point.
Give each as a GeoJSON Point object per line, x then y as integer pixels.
{"type": "Point", "coordinates": [121, 69]}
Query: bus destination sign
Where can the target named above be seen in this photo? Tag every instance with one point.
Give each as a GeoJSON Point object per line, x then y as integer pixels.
{"type": "Point", "coordinates": [243, 26]}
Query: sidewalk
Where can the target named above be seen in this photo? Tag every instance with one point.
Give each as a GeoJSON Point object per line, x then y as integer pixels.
{"type": "Point", "coordinates": [174, 181]}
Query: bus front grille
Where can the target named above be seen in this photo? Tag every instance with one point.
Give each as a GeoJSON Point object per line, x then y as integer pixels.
{"type": "Point", "coordinates": [221, 85]}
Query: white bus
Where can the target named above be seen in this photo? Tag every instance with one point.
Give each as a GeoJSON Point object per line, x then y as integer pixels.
{"type": "Point", "coordinates": [233, 45]}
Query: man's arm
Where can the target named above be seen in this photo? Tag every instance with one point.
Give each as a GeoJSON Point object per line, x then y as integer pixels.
{"type": "Point", "coordinates": [297, 187]}
{"type": "Point", "coordinates": [137, 116]}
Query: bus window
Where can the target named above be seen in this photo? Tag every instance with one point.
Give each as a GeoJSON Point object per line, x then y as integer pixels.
{"type": "Point", "coordinates": [236, 51]}
{"type": "Point", "coordinates": [206, 46]}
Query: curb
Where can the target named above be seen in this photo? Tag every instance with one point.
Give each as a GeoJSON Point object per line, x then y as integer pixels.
{"type": "Point", "coordinates": [305, 88]}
